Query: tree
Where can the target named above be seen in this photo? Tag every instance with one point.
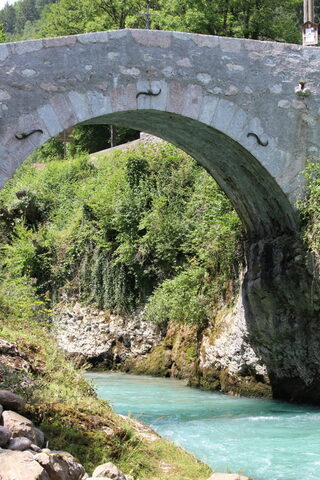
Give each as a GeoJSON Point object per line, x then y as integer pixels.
{"type": "Point", "coordinates": [8, 18]}
{"type": "Point", "coordinates": [2, 34]}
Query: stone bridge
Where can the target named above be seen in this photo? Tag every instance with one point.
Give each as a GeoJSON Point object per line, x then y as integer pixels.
{"type": "Point", "coordinates": [248, 111]}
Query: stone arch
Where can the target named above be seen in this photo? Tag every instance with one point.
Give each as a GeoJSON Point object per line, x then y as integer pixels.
{"type": "Point", "coordinates": [212, 130]}
{"type": "Point", "coordinates": [213, 91]}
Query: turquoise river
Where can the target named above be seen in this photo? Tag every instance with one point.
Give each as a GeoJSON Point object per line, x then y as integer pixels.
{"type": "Point", "coordinates": [264, 439]}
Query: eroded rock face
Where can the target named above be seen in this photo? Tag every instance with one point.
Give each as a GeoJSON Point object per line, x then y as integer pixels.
{"type": "Point", "coordinates": [281, 297]}
{"type": "Point", "coordinates": [101, 337]}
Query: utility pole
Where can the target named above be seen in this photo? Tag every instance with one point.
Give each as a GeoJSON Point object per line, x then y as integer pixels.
{"type": "Point", "coordinates": [309, 27]}
{"type": "Point", "coordinates": [308, 11]}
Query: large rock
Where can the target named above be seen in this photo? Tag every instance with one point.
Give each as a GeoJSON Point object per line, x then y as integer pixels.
{"type": "Point", "coordinates": [228, 476]}
{"type": "Point", "coordinates": [22, 427]}
{"type": "Point", "coordinates": [108, 470]}
{"type": "Point", "coordinates": [5, 435]}
{"type": "Point", "coordinates": [19, 444]}
{"type": "Point", "coordinates": [11, 400]}
{"type": "Point", "coordinates": [61, 466]}
{"type": "Point", "coordinates": [20, 466]}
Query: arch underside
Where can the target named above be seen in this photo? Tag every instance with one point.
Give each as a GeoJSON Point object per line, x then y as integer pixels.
{"type": "Point", "coordinates": [261, 204]}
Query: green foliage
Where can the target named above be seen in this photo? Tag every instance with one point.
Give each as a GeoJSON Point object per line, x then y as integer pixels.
{"type": "Point", "coordinates": [2, 34]}
{"type": "Point", "coordinates": [144, 224]}
{"type": "Point", "coordinates": [257, 19]}
{"type": "Point", "coordinates": [310, 208]}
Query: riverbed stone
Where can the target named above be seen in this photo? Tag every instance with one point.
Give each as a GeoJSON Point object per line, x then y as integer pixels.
{"type": "Point", "coordinates": [11, 400]}
{"type": "Point", "coordinates": [22, 427]}
{"type": "Point", "coordinates": [108, 470]}
{"type": "Point", "coordinates": [5, 435]}
{"type": "Point", "coordinates": [228, 476]}
{"type": "Point", "coordinates": [19, 444]}
{"type": "Point", "coordinates": [61, 466]}
{"type": "Point", "coordinates": [20, 466]}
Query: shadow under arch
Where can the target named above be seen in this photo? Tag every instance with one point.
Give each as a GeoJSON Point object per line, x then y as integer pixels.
{"type": "Point", "coordinates": [259, 201]}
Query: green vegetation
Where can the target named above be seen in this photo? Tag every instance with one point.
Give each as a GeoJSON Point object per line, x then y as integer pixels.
{"type": "Point", "coordinates": [149, 225]}
{"type": "Point", "coordinates": [110, 230]}
{"type": "Point", "coordinates": [257, 19]}
{"type": "Point", "coordinates": [64, 405]}
{"type": "Point", "coordinates": [310, 210]}
{"type": "Point", "coordinates": [2, 34]}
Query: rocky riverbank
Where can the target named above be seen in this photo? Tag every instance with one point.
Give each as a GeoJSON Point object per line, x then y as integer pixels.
{"type": "Point", "coordinates": [33, 440]}
{"type": "Point", "coordinates": [24, 456]}
{"type": "Point", "coordinates": [53, 426]}
{"type": "Point", "coordinates": [217, 357]}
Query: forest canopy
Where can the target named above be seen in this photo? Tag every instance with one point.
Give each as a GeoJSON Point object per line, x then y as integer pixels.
{"type": "Point", "coordinates": [255, 19]}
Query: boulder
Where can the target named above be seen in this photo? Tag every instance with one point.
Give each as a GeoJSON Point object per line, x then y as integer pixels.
{"type": "Point", "coordinates": [5, 435]}
{"type": "Point", "coordinates": [61, 466]}
{"type": "Point", "coordinates": [35, 448]}
{"type": "Point", "coordinates": [22, 427]}
{"type": "Point", "coordinates": [108, 470]}
{"type": "Point", "coordinates": [20, 466]}
{"type": "Point", "coordinates": [228, 476]}
{"type": "Point", "coordinates": [39, 437]}
{"type": "Point", "coordinates": [11, 400]}
{"type": "Point", "coordinates": [19, 443]}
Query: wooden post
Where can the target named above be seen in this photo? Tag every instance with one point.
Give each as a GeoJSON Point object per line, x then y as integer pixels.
{"type": "Point", "coordinates": [308, 11]}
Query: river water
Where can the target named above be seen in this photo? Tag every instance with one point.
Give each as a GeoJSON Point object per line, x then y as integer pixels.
{"type": "Point", "coordinates": [264, 439]}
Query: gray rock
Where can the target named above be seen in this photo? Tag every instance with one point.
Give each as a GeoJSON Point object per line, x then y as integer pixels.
{"type": "Point", "coordinates": [20, 466]}
{"type": "Point", "coordinates": [39, 437]}
{"type": "Point", "coordinates": [5, 435]}
{"type": "Point", "coordinates": [61, 466]}
{"type": "Point", "coordinates": [11, 400]}
{"type": "Point", "coordinates": [35, 448]}
{"type": "Point", "coordinates": [19, 444]}
{"type": "Point", "coordinates": [108, 470]}
{"type": "Point", "coordinates": [22, 427]}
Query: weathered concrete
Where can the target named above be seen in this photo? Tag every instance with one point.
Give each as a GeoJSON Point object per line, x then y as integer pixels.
{"type": "Point", "coordinates": [206, 95]}
{"type": "Point", "coordinates": [214, 91]}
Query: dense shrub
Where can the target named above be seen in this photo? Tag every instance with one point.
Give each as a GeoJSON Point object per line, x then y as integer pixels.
{"type": "Point", "coordinates": [146, 225]}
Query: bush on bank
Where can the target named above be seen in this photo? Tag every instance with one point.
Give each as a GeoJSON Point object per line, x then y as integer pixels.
{"type": "Point", "coordinates": [130, 228]}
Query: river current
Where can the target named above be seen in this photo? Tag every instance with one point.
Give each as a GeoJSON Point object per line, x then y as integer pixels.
{"type": "Point", "coordinates": [264, 439]}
